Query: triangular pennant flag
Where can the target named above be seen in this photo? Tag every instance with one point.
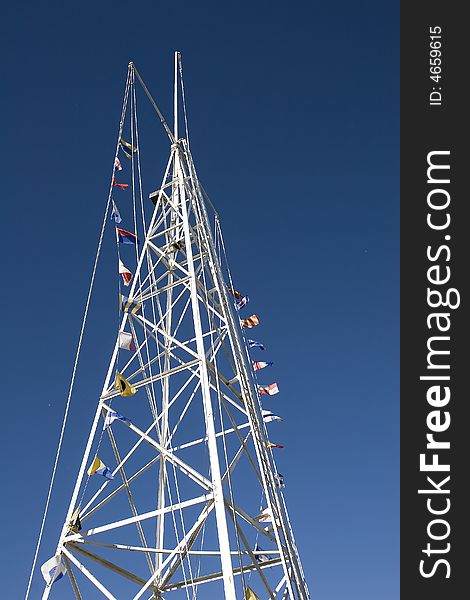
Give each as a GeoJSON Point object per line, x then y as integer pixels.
{"type": "Point", "coordinates": [255, 344]}
{"type": "Point", "coordinates": [127, 145]}
{"type": "Point", "coordinates": [117, 164]}
{"type": "Point", "coordinates": [123, 186]}
{"type": "Point", "coordinates": [124, 387]}
{"type": "Point", "coordinates": [272, 445]}
{"type": "Point", "coordinates": [126, 341]}
{"type": "Point", "coordinates": [53, 570]}
{"type": "Point", "coordinates": [260, 557]}
{"type": "Point", "coordinates": [258, 365]}
{"type": "Point", "coordinates": [129, 306]}
{"type": "Point", "coordinates": [125, 237]}
{"type": "Point", "coordinates": [115, 213]}
{"type": "Point", "coordinates": [75, 524]}
{"type": "Point", "coordinates": [112, 416]}
{"type": "Point", "coordinates": [250, 322]}
{"type": "Point", "coordinates": [269, 416]}
{"type": "Point", "coordinates": [125, 273]}
{"type": "Point", "coordinates": [98, 467]}
{"type": "Point", "coordinates": [250, 595]}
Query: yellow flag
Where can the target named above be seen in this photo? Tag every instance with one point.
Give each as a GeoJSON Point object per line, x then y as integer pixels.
{"type": "Point", "coordinates": [124, 387]}
{"type": "Point", "coordinates": [95, 465]}
{"type": "Point", "coordinates": [98, 466]}
{"type": "Point", "coordinates": [250, 595]}
{"type": "Point", "coordinates": [127, 145]}
{"type": "Point", "coordinates": [75, 525]}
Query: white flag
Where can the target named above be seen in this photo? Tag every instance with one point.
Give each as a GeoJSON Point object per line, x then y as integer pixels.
{"type": "Point", "coordinates": [53, 570]}
{"type": "Point", "coordinates": [117, 164]}
{"type": "Point", "coordinates": [126, 341]}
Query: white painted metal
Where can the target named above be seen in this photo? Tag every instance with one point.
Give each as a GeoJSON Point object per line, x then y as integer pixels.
{"type": "Point", "coordinates": [222, 531]}
{"type": "Point", "coordinates": [192, 366]}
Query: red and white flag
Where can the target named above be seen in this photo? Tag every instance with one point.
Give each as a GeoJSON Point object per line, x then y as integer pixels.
{"type": "Point", "coordinates": [117, 164]}
{"type": "Point", "coordinates": [250, 322]}
{"type": "Point", "coordinates": [268, 390]}
{"type": "Point", "coordinates": [126, 341]}
{"type": "Point", "coordinates": [257, 365]}
{"type": "Point", "coordinates": [273, 445]}
{"type": "Point", "coordinates": [126, 274]}
{"type": "Point", "coordinates": [265, 516]}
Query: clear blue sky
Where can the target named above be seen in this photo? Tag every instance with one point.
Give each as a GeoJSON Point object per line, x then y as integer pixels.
{"type": "Point", "coordinates": [293, 112]}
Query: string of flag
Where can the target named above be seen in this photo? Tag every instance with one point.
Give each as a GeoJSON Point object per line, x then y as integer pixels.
{"type": "Point", "coordinates": [126, 305]}
{"type": "Point", "coordinates": [124, 237]}
{"type": "Point", "coordinates": [268, 416]}
{"type": "Point", "coordinates": [272, 389]}
{"type": "Point", "coordinates": [54, 569]}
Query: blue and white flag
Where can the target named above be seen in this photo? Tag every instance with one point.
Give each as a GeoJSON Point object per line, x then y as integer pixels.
{"type": "Point", "coordinates": [115, 213]}
{"type": "Point", "coordinates": [112, 416]}
{"type": "Point", "coordinates": [279, 480]}
{"type": "Point", "coordinates": [254, 344]}
{"type": "Point", "coordinates": [98, 466]}
{"type": "Point", "coordinates": [53, 570]}
{"type": "Point", "coordinates": [261, 557]}
{"type": "Point", "coordinates": [269, 416]}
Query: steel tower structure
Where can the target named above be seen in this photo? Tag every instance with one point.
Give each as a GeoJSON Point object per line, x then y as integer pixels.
{"type": "Point", "coordinates": [195, 508]}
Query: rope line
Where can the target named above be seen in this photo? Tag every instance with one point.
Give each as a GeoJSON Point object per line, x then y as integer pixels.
{"type": "Point", "coordinates": [77, 354]}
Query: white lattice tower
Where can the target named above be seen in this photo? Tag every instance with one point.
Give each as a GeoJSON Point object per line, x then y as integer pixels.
{"type": "Point", "coordinates": [192, 468]}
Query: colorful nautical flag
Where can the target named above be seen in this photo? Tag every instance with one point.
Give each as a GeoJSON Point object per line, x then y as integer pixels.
{"type": "Point", "coordinates": [53, 570]}
{"type": "Point", "coordinates": [125, 273]}
{"type": "Point", "coordinates": [257, 365]}
{"type": "Point", "coordinates": [241, 303]}
{"type": "Point", "coordinates": [112, 416]}
{"type": "Point", "coordinates": [279, 480]}
{"type": "Point", "coordinates": [124, 387]}
{"type": "Point", "coordinates": [265, 516]}
{"type": "Point", "coordinates": [234, 293]}
{"type": "Point", "coordinates": [250, 595]}
{"type": "Point", "coordinates": [268, 390]}
{"type": "Point", "coordinates": [260, 557]}
{"type": "Point", "coordinates": [117, 164]}
{"type": "Point", "coordinates": [250, 322]}
{"type": "Point", "coordinates": [129, 306]}
{"type": "Point", "coordinates": [123, 143]}
{"type": "Point", "coordinates": [123, 186]}
{"type": "Point", "coordinates": [75, 524]}
{"type": "Point", "coordinates": [126, 341]}
{"type": "Point", "coordinates": [115, 213]}
{"type": "Point", "coordinates": [255, 344]}
{"type": "Point", "coordinates": [126, 237]}
{"type": "Point", "coordinates": [272, 445]}
{"type": "Point", "coordinates": [98, 466]}
{"type": "Point", "coordinates": [269, 416]}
